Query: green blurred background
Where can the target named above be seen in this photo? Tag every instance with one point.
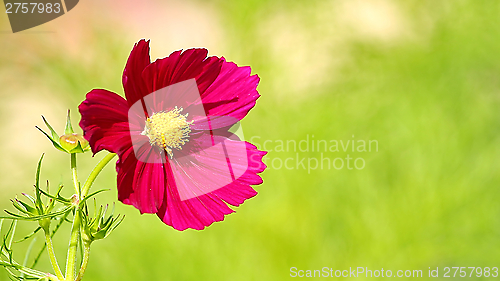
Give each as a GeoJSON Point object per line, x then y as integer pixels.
{"type": "Point", "coordinates": [420, 77]}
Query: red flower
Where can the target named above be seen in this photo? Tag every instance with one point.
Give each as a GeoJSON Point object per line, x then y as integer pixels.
{"type": "Point", "coordinates": [177, 158]}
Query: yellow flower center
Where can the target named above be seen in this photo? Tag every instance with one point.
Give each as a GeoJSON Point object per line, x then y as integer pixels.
{"type": "Point", "coordinates": [168, 130]}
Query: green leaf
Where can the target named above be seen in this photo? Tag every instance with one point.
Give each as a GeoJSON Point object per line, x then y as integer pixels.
{"type": "Point", "coordinates": [92, 194]}
{"type": "Point", "coordinates": [55, 136]}
{"type": "Point", "coordinates": [26, 257]}
{"type": "Point", "coordinates": [35, 218]}
{"type": "Point", "coordinates": [59, 198]}
{"type": "Point", "coordinates": [29, 197]}
{"type": "Point", "coordinates": [69, 127]}
{"type": "Point", "coordinates": [26, 206]}
{"type": "Point", "coordinates": [54, 142]}
{"type": "Point", "coordinates": [28, 236]}
{"type": "Point", "coordinates": [114, 224]}
{"type": "Point", "coordinates": [38, 202]}
{"type": "Point", "coordinates": [12, 230]}
{"type": "Point", "coordinates": [6, 246]}
{"type": "Point", "coordinates": [12, 276]}
{"type": "Point", "coordinates": [19, 207]}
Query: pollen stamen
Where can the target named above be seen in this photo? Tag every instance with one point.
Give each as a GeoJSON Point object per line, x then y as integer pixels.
{"type": "Point", "coordinates": [168, 130]}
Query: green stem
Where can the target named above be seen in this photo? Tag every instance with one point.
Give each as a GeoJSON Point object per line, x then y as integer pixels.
{"type": "Point", "coordinates": [73, 246]}
{"type": "Point", "coordinates": [75, 228]}
{"type": "Point", "coordinates": [58, 226]}
{"type": "Point", "coordinates": [75, 176]}
{"type": "Point", "coordinates": [52, 255]}
{"type": "Point", "coordinates": [85, 261]}
{"type": "Point", "coordinates": [93, 175]}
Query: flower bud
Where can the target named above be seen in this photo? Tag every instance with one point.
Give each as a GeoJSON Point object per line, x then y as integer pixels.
{"type": "Point", "coordinates": [70, 141]}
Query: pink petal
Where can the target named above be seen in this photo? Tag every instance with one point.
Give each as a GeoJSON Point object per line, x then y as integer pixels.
{"type": "Point", "coordinates": [105, 121]}
{"type": "Point", "coordinates": [199, 183]}
{"type": "Point", "coordinates": [135, 88]}
{"type": "Point", "coordinates": [183, 95]}
{"type": "Point", "coordinates": [238, 191]}
{"type": "Point", "coordinates": [196, 213]}
{"type": "Point", "coordinates": [141, 184]}
{"type": "Point", "coordinates": [179, 67]}
{"type": "Point", "coordinates": [230, 96]}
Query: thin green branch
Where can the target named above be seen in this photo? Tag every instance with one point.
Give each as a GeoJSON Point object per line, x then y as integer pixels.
{"type": "Point", "coordinates": [93, 175]}
{"type": "Point", "coordinates": [58, 226]}
{"type": "Point", "coordinates": [75, 175]}
{"type": "Point", "coordinates": [28, 252]}
{"type": "Point", "coordinates": [22, 269]}
{"type": "Point", "coordinates": [85, 261]}
{"type": "Point", "coordinates": [72, 249]}
{"type": "Point", "coordinates": [75, 228]}
{"type": "Point", "coordinates": [52, 255]}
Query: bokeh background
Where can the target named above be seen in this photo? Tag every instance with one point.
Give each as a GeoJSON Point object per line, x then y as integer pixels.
{"type": "Point", "coordinates": [420, 77]}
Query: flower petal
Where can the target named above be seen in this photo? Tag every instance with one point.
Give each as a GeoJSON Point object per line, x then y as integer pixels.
{"type": "Point", "coordinates": [105, 121]}
{"type": "Point", "coordinates": [181, 66]}
{"type": "Point", "coordinates": [133, 85]}
{"type": "Point", "coordinates": [196, 213]}
{"type": "Point", "coordinates": [202, 174]}
{"type": "Point", "coordinates": [238, 191]}
{"type": "Point", "coordinates": [141, 184]}
{"type": "Point", "coordinates": [229, 97]}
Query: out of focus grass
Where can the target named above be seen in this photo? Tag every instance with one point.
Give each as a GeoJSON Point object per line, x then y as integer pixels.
{"type": "Point", "coordinates": [420, 77]}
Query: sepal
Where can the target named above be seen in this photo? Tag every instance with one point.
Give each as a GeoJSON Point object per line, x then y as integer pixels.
{"type": "Point", "coordinates": [69, 142]}
{"type": "Point", "coordinates": [99, 226]}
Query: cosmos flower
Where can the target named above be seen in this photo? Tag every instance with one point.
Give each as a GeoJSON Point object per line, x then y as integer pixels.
{"type": "Point", "coordinates": [178, 157]}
